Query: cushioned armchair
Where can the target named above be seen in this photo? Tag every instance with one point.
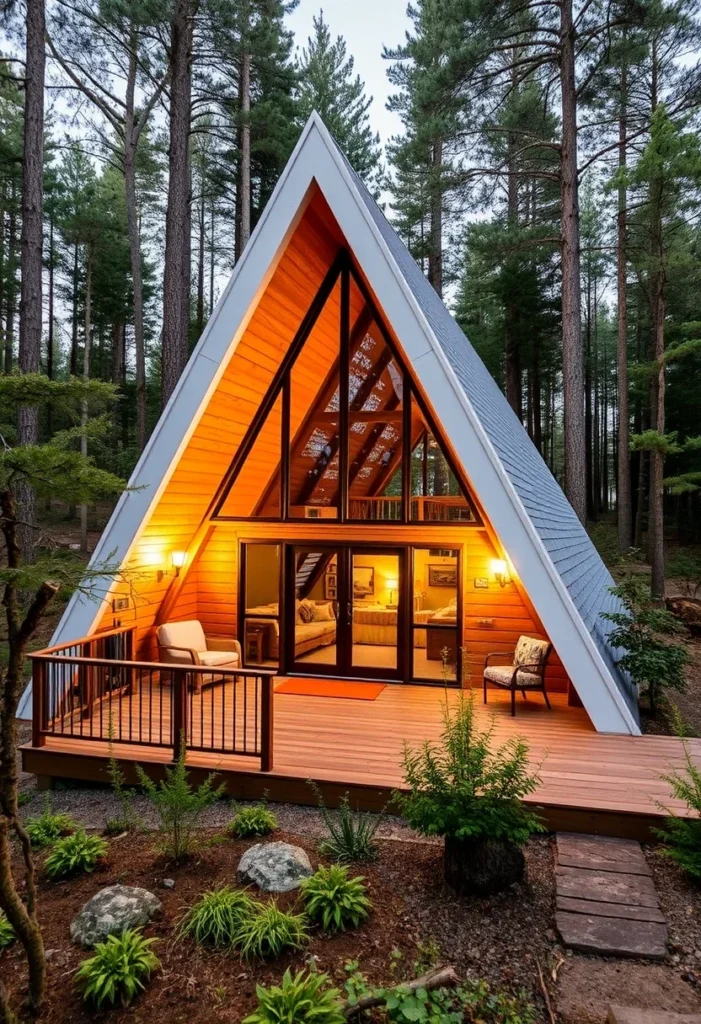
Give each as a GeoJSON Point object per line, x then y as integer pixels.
{"type": "Point", "coordinates": [525, 670]}
{"type": "Point", "coordinates": [184, 643]}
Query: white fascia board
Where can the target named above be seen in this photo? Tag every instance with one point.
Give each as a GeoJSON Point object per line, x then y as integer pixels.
{"type": "Point", "coordinates": [551, 599]}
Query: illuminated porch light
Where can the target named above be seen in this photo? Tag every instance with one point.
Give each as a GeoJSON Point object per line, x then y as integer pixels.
{"type": "Point", "coordinates": [500, 571]}
{"type": "Point", "coordinates": [178, 560]}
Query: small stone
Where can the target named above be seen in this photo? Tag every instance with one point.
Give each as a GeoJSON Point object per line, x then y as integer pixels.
{"type": "Point", "coordinates": [49, 954]}
{"type": "Point", "coordinates": [111, 911]}
{"type": "Point", "coordinates": [274, 867]}
{"type": "Point", "coordinates": [551, 935]}
{"type": "Point", "coordinates": [168, 883]}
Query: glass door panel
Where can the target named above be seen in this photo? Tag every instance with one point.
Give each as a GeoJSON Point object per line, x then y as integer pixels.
{"type": "Point", "coordinates": [376, 598]}
{"type": "Point", "coordinates": [435, 615]}
{"type": "Point", "coordinates": [312, 626]}
{"type": "Point", "coordinates": [260, 631]}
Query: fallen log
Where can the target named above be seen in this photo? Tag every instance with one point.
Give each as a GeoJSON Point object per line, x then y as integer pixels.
{"type": "Point", "coordinates": [439, 977]}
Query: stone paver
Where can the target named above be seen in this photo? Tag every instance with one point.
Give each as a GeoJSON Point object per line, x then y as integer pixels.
{"type": "Point", "coordinates": [632, 1015]}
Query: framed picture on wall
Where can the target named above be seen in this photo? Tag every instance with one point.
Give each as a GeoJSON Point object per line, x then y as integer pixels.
{"type": "Point", "coordinates": [443, 576]}
{"type": "Point", "coordinates": [330, 586]}
{"type": "Point", "coordinates": [363, 581]}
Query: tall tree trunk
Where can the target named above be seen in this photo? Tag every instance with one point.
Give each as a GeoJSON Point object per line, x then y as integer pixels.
{"type": "Point", "coordinates": [130, 146]}
{"type": "Point", "coordinates": [537, 399]}
{"type": "Point", "coordinates": [74, 312]}
{"type": "Point", "coordinates": [512, 354]}
{"type": "Point", "coordinates": [86, 376]}
{"type": "Point", "coordinates": [11, 285]}
{"type": "Point", "coordinates": [245, 165]}
{"type": "Point", "coordinates": [200, 260]}
{"type": "Point", "coordinates": [588, 414]}
{"type": "Point", "coordinates": [623, 483]}
{"type": "Point", "coordinates": [572, 363]}
{"type": "Point", "coordinates": [176, 278]}
{"type": "Point", "coordinates": [211, 258]}
{"type": "Point", "coordinates": [596, 425]}
{"type": "Point", "coordinates": [435, 251]}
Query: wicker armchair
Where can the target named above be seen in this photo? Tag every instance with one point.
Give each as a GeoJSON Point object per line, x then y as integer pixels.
{"type": "Point", "coordinates": [526, 670]}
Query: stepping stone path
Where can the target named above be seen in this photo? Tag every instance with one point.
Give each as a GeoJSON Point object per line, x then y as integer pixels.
{"type": "Point", "coordinates": [606, 898]}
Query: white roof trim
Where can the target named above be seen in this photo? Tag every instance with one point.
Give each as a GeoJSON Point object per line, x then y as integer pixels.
{"type": "Point", "coordinates": [316, 158]}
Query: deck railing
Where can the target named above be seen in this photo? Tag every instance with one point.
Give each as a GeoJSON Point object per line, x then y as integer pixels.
{"type": "Point", "coordinates": [440, 508]}
{"type": "Point", "coordinates": [91, 689]}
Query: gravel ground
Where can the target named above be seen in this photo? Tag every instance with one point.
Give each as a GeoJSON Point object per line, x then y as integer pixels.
{"type": "Point", "coordinates": [680, 901]}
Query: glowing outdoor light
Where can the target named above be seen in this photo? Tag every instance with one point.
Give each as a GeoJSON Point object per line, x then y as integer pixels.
{"type": "Point", "coordinates": [500, 571]}
{"type": "Point", "coordinates": [178, 559]}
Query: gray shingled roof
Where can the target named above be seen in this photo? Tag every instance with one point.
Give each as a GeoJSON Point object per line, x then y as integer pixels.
{"type": "Point", "coordinates": [565, 539]}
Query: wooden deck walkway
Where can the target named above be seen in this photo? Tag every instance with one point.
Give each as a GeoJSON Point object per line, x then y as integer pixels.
{"type": "Point", "coordinates": [589, 781]}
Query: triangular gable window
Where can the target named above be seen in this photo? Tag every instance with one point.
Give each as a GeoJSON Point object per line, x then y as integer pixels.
{"type": "Point", "coordinates": [341, 434]}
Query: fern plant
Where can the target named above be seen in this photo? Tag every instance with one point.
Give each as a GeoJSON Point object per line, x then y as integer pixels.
{"type": "Point", "coordinates": [334, 900]}
{"type": "Point", "coordinates": [179, 806]}
{"type": "Point", "coordinates": [76, 854]}
{"type": "Point", "coordinates": [682, 836]}
{"type": "Point", "coordinates": [300, 999]}
{"type": "Point", "coordinates": [269, 932]}
{"type": "Point", "coordinates": [7, 932]}
{"type": "Point", "coordinates": [254, 820]}
{"type": "Point", "coordinates": [119, 969]}
{"type": "Point", "coordinates": [44, 829]}
{"type": "Point", "coordinates": [127, 820]}
{"type": "Point", "coordinates": [350, 834]}
{"type": "Point", "coordinates": [217, 916]}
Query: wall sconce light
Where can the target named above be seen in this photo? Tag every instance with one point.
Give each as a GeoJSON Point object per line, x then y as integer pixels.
{"type": "Point", "coordinates": [178, 560]}
{"type": "Point", "coordinates": [500, 571]}
{"type": "Point", "coordinates": [392, 584]}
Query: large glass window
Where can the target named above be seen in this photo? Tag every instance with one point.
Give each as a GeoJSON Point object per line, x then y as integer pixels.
{"type": "Point", "coordinates": [435, 632]}
{"type": "Point", "coordinates": [436, 494]}
{"type": "Point", "coordinates": [260, 629]}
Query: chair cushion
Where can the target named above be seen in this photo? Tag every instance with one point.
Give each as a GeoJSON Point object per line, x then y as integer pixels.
{"type": "Point", "coordinates": [530, 651]}
{"type": "Point", "coordinates": [212, 658]}
{"type": "Point", "coordinates": [501, 675]}
{"type": "Point", "coordinates": [182, 634]}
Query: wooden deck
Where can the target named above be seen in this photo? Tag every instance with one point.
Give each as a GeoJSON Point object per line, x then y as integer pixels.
{"type": "Point", "coordinates": [589, 781]}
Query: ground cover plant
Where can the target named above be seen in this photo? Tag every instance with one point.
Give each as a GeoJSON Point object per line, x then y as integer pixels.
{"type": "Point", "coordinates": [253, 820]}
{"type": "Point", "coordinates": [75, 854]}
{"type": "Point", "coordinates": [215, 919]}
{"type": "Point", "coordinates": [267, 933]}
{"type": "Point", "coordinates": [45, 828]}
{"type": "Point", "coordinates": [682, 836]}
{"type": "Point", "coordinates": [119, 969]}
{"type": "Point", "coordinates": [350, 834]}
{"type": "Point", "coordinates": [334, 900]}
{"type": "Point", "coordinates": [305, 998]}
{"type": "Point", "coordinates": [7, 932]}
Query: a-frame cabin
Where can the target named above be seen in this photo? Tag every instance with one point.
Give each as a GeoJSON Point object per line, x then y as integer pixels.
{"type": "Point", "coordinates": [337, 491]}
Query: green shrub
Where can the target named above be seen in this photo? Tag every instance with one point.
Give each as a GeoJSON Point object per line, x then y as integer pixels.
{"type": "Point", "coordinates": [682, 836]}
{"type": "Point", "coordinates": [7, 932]}
{"type": "Point", "coordinates": [217, 916]}
{"type": "Point", "coordinates": [254, 820]}
{"type": "Point", "coordinates": [349, 835]}
{"type": "Point", "coordinates": [463, 789]}
{"type": "Point", "coordinates": [645, 631]}
{"type": "Point", "coordinates": [334, 900]}
{"type": "Point", "coordinates": [119, 969]}
{"type": "Point", "coordinates": [301, 999]}
{"type": "Point", "coordinates": [127, 820]}
{"type": "Point", "coordinates": [179, 806]}
{"type": "Point", "coordinates": [75, 855]}
{"type": "Point", "coordinates": [44, 829]}
{"type": "Point", "coordinates": [269, 932]}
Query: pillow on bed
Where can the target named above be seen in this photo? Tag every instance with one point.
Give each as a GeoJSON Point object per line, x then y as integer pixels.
{"type": "Point", "coordinates": [306, 611]}
{"type": "Point", "coordinates": [323, 612]}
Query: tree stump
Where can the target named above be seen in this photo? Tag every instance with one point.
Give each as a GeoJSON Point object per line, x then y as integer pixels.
{"type": "Point", "coordinates": [481, 867]}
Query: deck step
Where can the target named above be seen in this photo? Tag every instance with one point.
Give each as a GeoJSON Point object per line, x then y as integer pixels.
{"type": "Point", "coordinates": [606, 898]}
{"type": "Point", "coordinates": [633, 1015]}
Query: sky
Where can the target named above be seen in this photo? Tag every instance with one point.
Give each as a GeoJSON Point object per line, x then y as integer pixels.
{"type": "Point", "coordinates": [367, 26]}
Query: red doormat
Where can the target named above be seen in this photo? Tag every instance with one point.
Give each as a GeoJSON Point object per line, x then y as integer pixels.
{"type": "Point", "coordinates": [331, 688]}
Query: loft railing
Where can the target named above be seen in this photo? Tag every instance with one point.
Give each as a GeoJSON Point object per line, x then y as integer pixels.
{"type": "Point", "coordinates": [439, 508]}
{"type": "Point", "coordinates": [84, 691]}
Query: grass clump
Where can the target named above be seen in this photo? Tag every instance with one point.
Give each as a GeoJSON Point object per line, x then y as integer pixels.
{"type": "Point", "coordinates": [216, 918]}
{"type": "Point", "coordinates": [119, 969]}
{"type": "Point", "coordinates": [179, 806]}
{"type": "Point", "coordinates": [267, 933]}
{"type": "Point", "coordinates": [46, 828]}
{"type": "Point", "coordinates": [7, 932]}
{"type": "Point", "coordinates": [76, 854]}
{"type": "Point", "coordinates": [302, 998]}
{"type": "Point", "coordinates": [682, 836]}
{"type": "Point", "coordinates": [251, 821]}
{"type": "Point", "coordinates": [350, 834]}
{"type": "Point", "coordinates": [334, 900]}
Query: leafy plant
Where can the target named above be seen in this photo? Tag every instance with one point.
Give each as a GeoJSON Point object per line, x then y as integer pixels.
{"type": "Point", "coordinates": [300, 999]}
{"type": "Point", "coordinates": [335, 900]}
{"type": "Point", "coordinates": [7, 932]}
{"type": "Point", "coordinates": [269, 932]}
{"type": "Point", "coordinates": [254, 820]}
{"type": "Point", "coordinates": [349, 834]}
{"type": "Point", "coordinates": [682, 836]}
{"type": "Point", "coordinates": [179, 806]}
{"type": "Point", "coordinates": [464, 789]}
{"type": "Point", "coordinates": [127, 820]}
{"type": "Point", "coordinates": [216, 917]}
{"type": "Point", "coordinates": [44, 829]}
{"type": "Point", "coordinates": [644, 632]}
{"type": "Point", "coordinates": [76, 854]}
{"type": "Point", "coordinates": [119, 969]}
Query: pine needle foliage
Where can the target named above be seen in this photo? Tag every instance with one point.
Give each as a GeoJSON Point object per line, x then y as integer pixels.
{"type": "Point", "coordinates": [682, 836]}
{"type": "Point", "coordinates": [76, 854]}
{"type": "Point", "coordinates": [350, 834]}
{"type": "Point", "coordinates": [463, 788]}
{"type": "Point", "coordinates": [334, 900]}
{"type": "Point", "coordinates": [269, 932]}
{"type": "Point", "coordinates": [302, 998]}
{"type": "Point", "coordinates": [179, 806]}
{"type": "Point", "coordinates": [254, 820]}
{"type": "Point", "coordinates": [119, 969]}
{"type": "Point", "coordinates": [46, 828]}
{"type": "Point", "coordinates": [215, 919]}
{"type": "Point", "coordinates": [7, 932]}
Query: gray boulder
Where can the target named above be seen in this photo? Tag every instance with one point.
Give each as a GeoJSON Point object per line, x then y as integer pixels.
{"type": "Point", "coordinates": [111, 911]}
{"type": "Point", "coordinates": [274, 867]}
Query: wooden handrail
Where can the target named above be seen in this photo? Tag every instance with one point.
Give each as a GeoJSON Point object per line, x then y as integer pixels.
{"type": "Point", "coordinates": [101, 635]}
{"type": "Point", "coordinates": [162, 665]}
